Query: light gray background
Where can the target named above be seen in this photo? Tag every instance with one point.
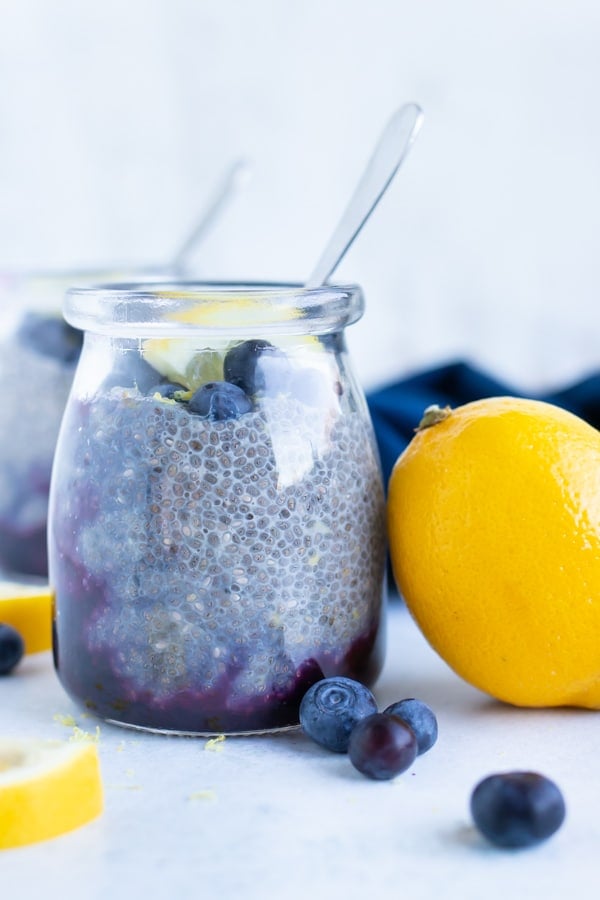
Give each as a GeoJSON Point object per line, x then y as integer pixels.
{"type": "Point", "coordinates": [117, 118]}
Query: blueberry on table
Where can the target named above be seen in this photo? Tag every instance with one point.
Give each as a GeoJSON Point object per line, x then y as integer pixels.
{"type": "Point", "coordinates": [12, 648]}
{"type": "Point", "coordinates": [220, 400]}
{"type": "Point", "coordinates": [517, 809]}
{"type": "Point", "coordinates": [421, 719]}
{"type": "Point", "coordinates": [331, 708]}
{"type": "Point", "coordinates": [50, 335]}
{"type": "Point", "coordinates": [257, 366]}
{"type": "Point", "coordinates": [382, 746]}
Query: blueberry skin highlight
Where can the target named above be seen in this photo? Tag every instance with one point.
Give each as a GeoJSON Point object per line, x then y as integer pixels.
{"type": "Point", "coordinates": [382, 746]}
{"type": "Point", "coordinates": [12, 649]}
{"type": "Point", "coordinates": [220, 400]}
{"type": "Point", "coordinates": [517, 809]}
{"type": "Point", "coordinates": [420, 718]}
{"type": "Point", "coordinates": [331, 708]}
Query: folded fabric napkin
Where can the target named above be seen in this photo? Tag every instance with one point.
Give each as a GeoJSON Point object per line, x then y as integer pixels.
{"type": "Point", "coordinates": [396, 409]}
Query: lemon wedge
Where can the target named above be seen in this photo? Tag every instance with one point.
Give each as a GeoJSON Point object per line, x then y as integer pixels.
{"type": "Point", "coordinates": [28, 608]}
{"type": "Point", "coordinates": [180, 360]}
{"type": "Point", "coordinates": [46, 789]}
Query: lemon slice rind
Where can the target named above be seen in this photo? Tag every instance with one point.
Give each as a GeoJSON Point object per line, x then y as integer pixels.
{"type": "Point", "coordinates": [28, 608]}
{"type": "Point", "coordinates": [47, 788]}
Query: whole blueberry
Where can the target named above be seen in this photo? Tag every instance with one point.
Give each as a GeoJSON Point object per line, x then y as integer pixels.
{"type": "Point", "coordinates": [220, 400]}
{"type": "Point", "coordinates": [130, 370]}
{"type": "Point", "coordinates": [421, 719]}
{"type": "Point", "coordinates": [382, 746]}
{"type": "Point", "coordinates": [331, 708]}
{"type": "Point", "coordinates": [166, 389]}
{"type": "Point", "coordinates": [50, 335]}
{"type": "Point", "coordinates": [257, 366]}
{"type": "Point", "coordinates": [12, 648]}
{"type": "Point", "coordinates": [517, 809]}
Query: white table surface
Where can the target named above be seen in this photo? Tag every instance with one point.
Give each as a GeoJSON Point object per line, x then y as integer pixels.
{"type": "Point", "coordinates": [270, 816]}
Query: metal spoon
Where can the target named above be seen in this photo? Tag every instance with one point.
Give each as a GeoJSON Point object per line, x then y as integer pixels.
{"type": "Point", "coordinates": [223, 193]}
{"type": "Point", "coordinates": [390, 152]}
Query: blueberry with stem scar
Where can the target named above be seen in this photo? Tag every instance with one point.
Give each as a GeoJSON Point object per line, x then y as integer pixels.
{"type": "Point", "coordinates": [331, 708]}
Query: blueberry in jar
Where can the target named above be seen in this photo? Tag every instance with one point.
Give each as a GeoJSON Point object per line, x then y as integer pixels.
{"type": "Point", "coordinates": [256, 366]}
{"type": "Point", "coordinates": [131, 370]}
{"type": "Point", "coordinates": [331, 708]}
{"type": "Point", "coordinates": [421, 719]}
{"type": "Point", "coordinates": [517, 809]}
{"type": "Point", "coordinates": [382, 746]}
{"type": "Point", "coordinates": [12, 648]}
{"type": "Point", "coordinates": [220, 400]}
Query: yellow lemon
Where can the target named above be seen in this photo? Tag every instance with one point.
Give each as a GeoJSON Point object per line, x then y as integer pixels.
{"type": "Point", "coordinates": [494, 528]}
{"type": "Point", "coordinates": [46, 788]}
{"type": "Point", "coordinates": [28, 608]}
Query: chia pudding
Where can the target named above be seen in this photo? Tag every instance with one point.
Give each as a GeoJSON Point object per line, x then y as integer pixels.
{"type": "Point", "coordinates": [37, 364]}
{"type": "Point", "coordinates": [39, 352]}
{"type": "Point", "coordinates": [215, 550]}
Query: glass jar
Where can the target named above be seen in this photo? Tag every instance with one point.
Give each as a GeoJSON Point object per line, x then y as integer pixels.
{"type": "Point", "coordinates": [38, 356]}
{"type": "Point", "coordinates": [217, 527]}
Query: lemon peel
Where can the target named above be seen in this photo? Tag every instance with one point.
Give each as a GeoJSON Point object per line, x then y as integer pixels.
{"type": "Point", "coordinates": [28, 608]}
{"type": "Point", "coordinates": [47, 788]}
{"type": "Point", "coordinates": [215, 744]}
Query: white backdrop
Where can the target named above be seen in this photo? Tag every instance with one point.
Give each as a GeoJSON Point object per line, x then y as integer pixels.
{"type": "Point", "coordinates": [117, 118]}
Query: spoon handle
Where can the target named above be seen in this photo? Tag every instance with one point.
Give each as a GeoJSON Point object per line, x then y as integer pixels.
{"type": "Point", "coordinates": [396, 140]}
{"type": "Point", "coordinates": [219, 199]}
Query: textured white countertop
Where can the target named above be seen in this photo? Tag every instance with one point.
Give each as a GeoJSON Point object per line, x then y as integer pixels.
{"type": "Point", "coordinates": [262, 817]}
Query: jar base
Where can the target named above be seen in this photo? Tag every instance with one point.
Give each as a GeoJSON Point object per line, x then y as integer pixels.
{"type": "Point", "coordinates": [169, 732]}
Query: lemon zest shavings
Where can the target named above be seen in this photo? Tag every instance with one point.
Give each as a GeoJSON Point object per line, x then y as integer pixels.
{"type": "Point", "coordinates": [67, 720]}
{"type": "Point", "coordinates": [80, 735]}
{"type": "Point", "coordinates": [206, 794]}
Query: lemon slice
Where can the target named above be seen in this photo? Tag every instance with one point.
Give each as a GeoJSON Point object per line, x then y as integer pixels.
{"type": "Point", "coordinates": [46, 788]}
{"type": "Point", "coordinates": [28, 608]}
{"type": "Point", "coordinates": [180, 360]}
{"type": "Point", "coordinates": [183, 361]}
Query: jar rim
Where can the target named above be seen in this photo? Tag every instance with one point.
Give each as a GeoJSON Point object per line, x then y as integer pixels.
{"type": "Point", "coordinates": [187, 307]}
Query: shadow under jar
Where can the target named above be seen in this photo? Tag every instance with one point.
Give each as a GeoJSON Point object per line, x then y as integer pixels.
{"type": "Point", "coordinates": [217, 520]}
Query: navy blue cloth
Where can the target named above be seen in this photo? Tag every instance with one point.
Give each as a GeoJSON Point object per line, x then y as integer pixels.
{"type": "Point", "coordinates": [396, 409]}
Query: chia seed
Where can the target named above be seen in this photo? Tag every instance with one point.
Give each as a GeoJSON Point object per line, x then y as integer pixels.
{"type": "Point", "coordinates": [187, 592]}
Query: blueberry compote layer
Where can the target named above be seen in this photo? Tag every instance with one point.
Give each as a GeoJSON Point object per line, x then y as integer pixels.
{"type": "Point", "coordinates": [208, 571]}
